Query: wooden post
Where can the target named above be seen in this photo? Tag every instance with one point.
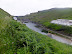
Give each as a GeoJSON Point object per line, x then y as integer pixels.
{"type": "Point", "coordinates": [50, 35]}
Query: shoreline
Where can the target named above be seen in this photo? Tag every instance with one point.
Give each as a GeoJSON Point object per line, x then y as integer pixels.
{"type": "Point", "coordinates": [55, 37]}
{"type": "Point", "coordinates": [53, 32]}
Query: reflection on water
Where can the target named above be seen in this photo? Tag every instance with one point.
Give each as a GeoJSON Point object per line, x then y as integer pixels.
{"type": "Point", "coordinates": [58, 38]}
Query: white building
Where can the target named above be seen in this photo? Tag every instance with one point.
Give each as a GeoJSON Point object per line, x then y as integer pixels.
{"type": "Point", "coordinates": [15, 18]}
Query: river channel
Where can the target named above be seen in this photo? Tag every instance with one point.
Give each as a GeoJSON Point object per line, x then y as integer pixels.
{"type": "Point", "coordinates": [39, 30]}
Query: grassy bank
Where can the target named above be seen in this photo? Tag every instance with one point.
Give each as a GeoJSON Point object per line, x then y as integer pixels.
{"type": "Point", "coordinates": [17, 38]}
{"type": "Point", "coordinates": [67, 30]}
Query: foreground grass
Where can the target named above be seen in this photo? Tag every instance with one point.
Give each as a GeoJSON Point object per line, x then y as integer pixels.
{"type": "Point", "coordinates": [16, 38]}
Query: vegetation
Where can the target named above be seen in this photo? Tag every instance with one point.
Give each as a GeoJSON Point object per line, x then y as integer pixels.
{"type": "Point", "coordinates": [62, 28]}
{"type": "Point", "coordinates": [46, 16]}
{"type": "Point", "coordinates": [44, 31]}
{"type": "Point", "coordinates": [49, 15]}
{"type": "Point", "coordinates": [16, 38]}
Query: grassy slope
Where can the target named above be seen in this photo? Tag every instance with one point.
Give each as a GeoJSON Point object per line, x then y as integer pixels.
{"type": "Point", "coordinates": [17, 38]}
{"type": "Point", "coordinates": [46, 16]}
{"type": "Point", "coordinates": [49, 15]}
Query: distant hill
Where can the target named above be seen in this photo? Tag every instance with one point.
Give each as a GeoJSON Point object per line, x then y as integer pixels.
{"type": "Point", "coordinates": [48, 15]}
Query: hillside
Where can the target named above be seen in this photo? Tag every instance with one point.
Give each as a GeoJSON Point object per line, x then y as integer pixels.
{"type": "Point", "coordinates": [46, 16]}
{"type": "Point", "coordinates": [16, 38]}
{"type": "Point", "coordinates": [49, 15]}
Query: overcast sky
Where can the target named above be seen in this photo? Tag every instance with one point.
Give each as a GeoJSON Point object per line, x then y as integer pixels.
{"type": "Point", "coordinates": [23, 7]}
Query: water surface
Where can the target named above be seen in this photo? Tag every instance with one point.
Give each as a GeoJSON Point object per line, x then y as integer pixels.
{"type": "Point", "coordinates": [39, 30]}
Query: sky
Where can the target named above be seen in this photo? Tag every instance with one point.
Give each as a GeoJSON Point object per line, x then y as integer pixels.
{"type": "Point", "coordinates": [23, 7]}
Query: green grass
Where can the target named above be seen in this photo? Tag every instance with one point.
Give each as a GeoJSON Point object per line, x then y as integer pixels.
{"type": "Point", "coordinates": [49, 15]}
{"type": "Point", "coordinates": [46, 16]}
{"type": "Point", "coordinates": [17, 38]}
{"type": "Point", "coordinates": [67, 30]}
